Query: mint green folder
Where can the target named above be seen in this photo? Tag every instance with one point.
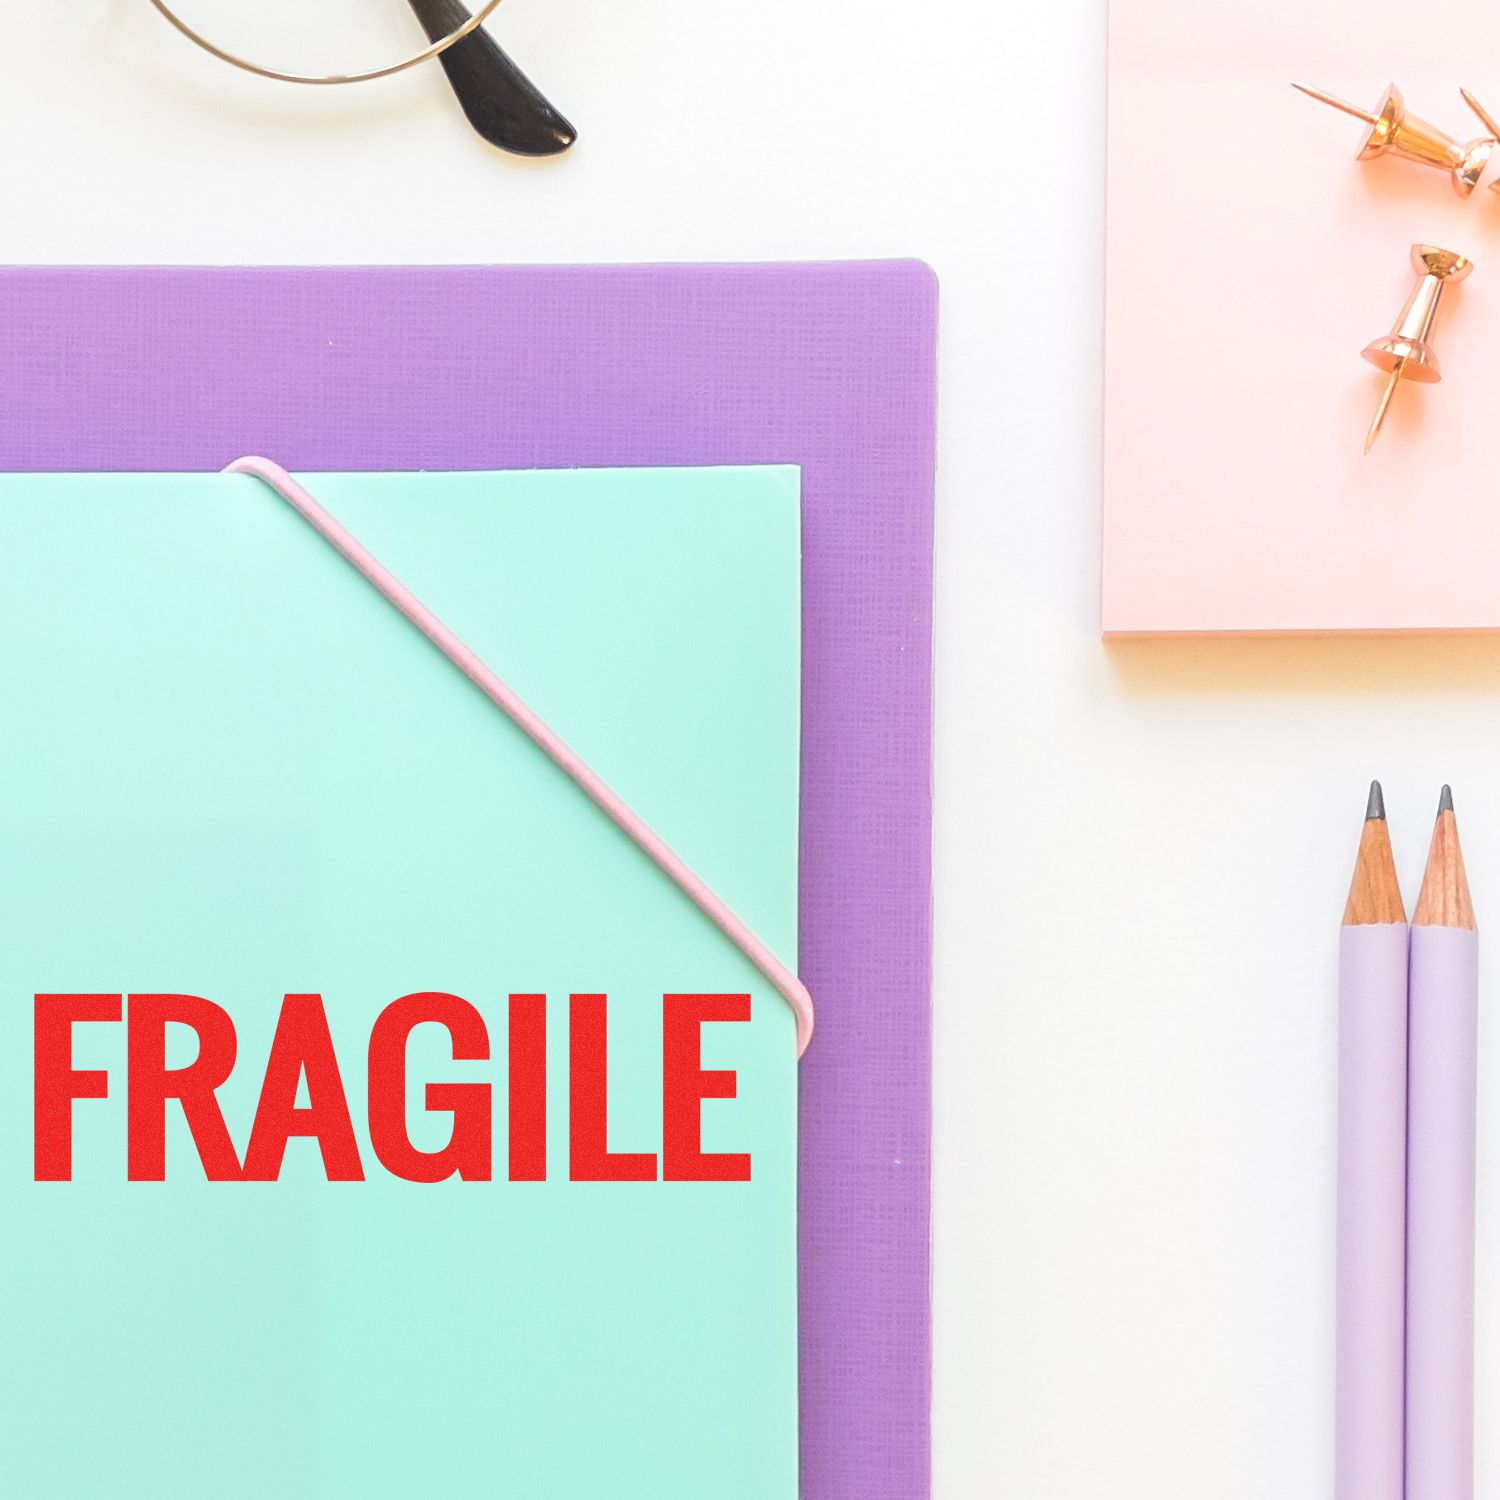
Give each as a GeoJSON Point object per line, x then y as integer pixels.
{"type": "Point", "coordinates": [229, 769]}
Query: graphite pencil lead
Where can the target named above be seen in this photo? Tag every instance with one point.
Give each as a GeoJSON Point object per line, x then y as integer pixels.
{"type": "Point", "coordinates": [1445, 801]}
{"type": "Point", "coordinates": [1375, 807]}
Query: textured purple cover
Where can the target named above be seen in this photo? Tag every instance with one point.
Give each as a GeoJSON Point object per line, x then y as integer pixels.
{"type": "Point", "coordinates": [827, 366]}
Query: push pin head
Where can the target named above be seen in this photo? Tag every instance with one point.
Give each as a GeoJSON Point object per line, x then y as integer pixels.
{"type": "Point", "coordinates": [1487, 120]}
{"type": "Point", "coordinates": [1405, 353]}
{"type": "Point", "coordinates": [1394, 130]}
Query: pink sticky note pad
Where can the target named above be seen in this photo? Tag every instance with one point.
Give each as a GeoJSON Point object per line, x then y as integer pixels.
{"type": "Point", "coordinates": [1250, 260]}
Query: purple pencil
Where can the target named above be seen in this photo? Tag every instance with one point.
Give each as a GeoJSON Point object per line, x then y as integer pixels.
{"type": "Point", "coordinates": [1443, 1044]}
{"type": "Point", "coordinates": [1372, 1173]}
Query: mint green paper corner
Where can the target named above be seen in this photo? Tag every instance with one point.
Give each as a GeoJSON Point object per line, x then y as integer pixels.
{"type": "Point", "coordinates": [228, 768]}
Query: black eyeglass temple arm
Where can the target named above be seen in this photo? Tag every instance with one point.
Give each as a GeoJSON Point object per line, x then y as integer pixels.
{"type": "Point", "coordinates": [502, 103]}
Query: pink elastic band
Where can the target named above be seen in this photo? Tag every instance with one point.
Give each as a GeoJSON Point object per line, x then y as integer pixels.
{"type": "Point", "coordinates": [791, 989]}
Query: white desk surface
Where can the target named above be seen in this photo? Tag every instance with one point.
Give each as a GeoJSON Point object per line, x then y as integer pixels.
{"type": "Point", "coordinates": [1142, 852]}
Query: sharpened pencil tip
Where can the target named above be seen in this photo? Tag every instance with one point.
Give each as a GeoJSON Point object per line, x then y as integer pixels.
{"type": "Point", "coordinates": [1375, 808]}
{"type": "Point", "coordinates": [1445, 801]}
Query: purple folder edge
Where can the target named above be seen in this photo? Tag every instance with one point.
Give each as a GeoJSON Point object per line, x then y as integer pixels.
{"type": "Point", "coordinates": [831, 366]}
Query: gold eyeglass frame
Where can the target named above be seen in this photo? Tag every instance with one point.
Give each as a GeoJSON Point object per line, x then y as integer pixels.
{"type": "Point", "coordinates": [481, 14]}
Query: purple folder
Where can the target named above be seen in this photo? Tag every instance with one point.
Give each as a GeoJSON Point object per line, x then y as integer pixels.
{"type": "Point", "coordinates": [827, 366]}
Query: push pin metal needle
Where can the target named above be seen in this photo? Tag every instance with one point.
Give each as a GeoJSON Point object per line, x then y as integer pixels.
{"type": "Point", "coordinates": [1395, 130]}
{"type": "Point", "coordinates": [1337, 103]}
{"type": "Point", "coordinates": [1406, 352]}
{"type": "Point", "coordinates": [1397, 371]}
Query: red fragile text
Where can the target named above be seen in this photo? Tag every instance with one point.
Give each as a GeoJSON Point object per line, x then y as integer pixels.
{"type": "Point", "coordinates": [302, 1059]}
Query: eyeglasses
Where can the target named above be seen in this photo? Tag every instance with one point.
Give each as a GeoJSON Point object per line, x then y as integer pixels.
{"type": "Point", "coordinates": [357, 41]}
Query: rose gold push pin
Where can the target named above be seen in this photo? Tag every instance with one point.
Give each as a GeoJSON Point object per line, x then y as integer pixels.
{"type": "Point", "coordinates": [1393, 130]}
{"type": "Point", "coordinates": [1485, 119]}
{"type": "Point", "coordinates": [1406, 352]}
